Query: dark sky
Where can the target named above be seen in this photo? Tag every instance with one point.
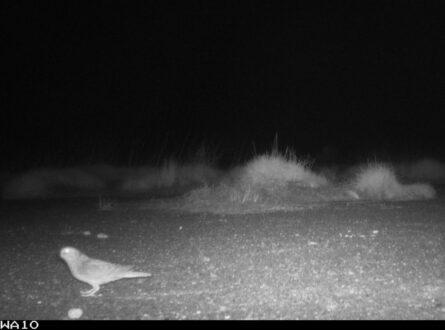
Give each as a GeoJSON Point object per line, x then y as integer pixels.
{"type": "Point", "coordinates": [98, 80]}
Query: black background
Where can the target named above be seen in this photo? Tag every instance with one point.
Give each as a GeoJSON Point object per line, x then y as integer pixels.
{"type": "Point", "coordinates": [121, 81]}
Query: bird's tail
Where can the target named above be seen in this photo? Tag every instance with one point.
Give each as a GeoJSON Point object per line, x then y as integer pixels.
{"type": "Point", "coordinates": [132, 274]}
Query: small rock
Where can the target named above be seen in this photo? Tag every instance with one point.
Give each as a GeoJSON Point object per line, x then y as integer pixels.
{"type": "Point", "coordinates": [86, 233]}
{"type": "Point", "coordinates": [102, 236]}
{"type": "Point", "coordinates": [75, 313]}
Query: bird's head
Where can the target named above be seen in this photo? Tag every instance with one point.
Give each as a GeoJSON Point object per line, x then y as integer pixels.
{"type": "Point", "coordinates": [69, 253]}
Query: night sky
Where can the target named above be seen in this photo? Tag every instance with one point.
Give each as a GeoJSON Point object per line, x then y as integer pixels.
{"type": "Point", "coordinates": [109, 81]}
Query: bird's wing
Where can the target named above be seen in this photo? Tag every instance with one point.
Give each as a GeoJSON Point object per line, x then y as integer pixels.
{"type": "Point", "coordinates": [99, 268]}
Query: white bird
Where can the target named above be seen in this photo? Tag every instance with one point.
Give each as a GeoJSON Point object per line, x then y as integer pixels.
{"type": "Point", "coordinates": [95, 272]}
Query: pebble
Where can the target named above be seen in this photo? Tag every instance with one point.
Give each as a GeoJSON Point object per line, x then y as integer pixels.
{"type": "Point", "coordinates": [75, 313]}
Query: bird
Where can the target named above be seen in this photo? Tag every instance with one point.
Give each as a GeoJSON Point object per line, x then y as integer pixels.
{"type": "Point", "coordinates": [95, 272]}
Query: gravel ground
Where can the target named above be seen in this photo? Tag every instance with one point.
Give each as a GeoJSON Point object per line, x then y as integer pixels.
{"type": "Point", "coordinates": [340, 260]}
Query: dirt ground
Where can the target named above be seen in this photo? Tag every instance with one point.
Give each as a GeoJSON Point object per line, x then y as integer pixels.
{"type": "Point", "coordinates": [337, 260]}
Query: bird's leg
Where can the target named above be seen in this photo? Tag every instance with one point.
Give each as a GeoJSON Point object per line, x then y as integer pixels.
{"type": "Point", "coordinates": [91, 292]}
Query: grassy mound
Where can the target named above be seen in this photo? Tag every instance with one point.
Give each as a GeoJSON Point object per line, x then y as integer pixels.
{"type": "Point", "coordinates": [277, 170]}
{"type": "Point", "coordinates": [266, 183]}
{"type": "Point", "coordinates": [145, 179]}
{"type": "Point", "coordinates": [45, 183]}
{"type": "Point", "coordinates": [379, 181]}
